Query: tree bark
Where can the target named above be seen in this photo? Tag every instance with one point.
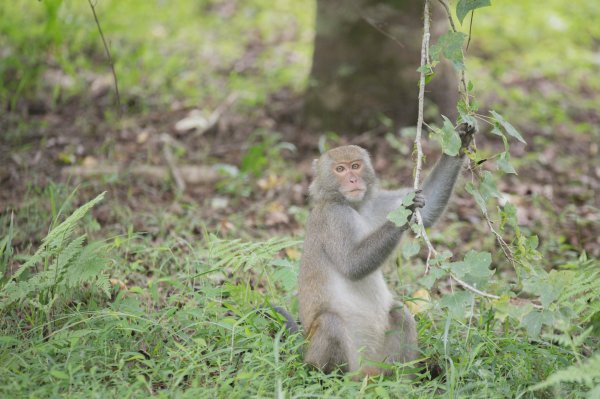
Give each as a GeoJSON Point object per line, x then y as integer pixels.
{"type": "Point", "coordinates": [365, 63]}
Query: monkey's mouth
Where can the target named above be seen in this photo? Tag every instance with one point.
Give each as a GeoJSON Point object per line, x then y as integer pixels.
{"type": "Point", "coordinates": [356, 191]}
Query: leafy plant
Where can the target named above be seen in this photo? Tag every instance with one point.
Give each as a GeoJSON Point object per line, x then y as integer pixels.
{"type": "Point", "coordinates": [61, 266]}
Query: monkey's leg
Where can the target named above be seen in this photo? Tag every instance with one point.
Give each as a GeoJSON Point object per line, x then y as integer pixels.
{"type": "Point", "coordinates": [329, 345]}
{"type": "Point", "coordinates": [400, 343]}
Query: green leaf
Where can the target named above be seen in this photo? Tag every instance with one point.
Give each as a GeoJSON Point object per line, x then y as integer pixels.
{"type": "Point", "coordinates": [450, 46]}
{"type": "Point", "coordinates": [475, 269]}
{"type": "Point", "coordinates": [510, 129]}
{"type": "Point", "coordinates": [399, 216]}
{"type": "Point", "coordinates": [534, 320]}
{"type": "Point", "coordinates": [533, 323]}
{"type": "Point", "coordinates": [410, 248]}
{"type": "Point", "coordinates": [457, 303]}
{"type": "Point", "coordinates": [487, 186]}
{"type": "Point", "coordinates": [504, 308]}
{"type": "Point", "coordinates": [255, 160]}
{"type": "Point", "coordinates": [503, 163]}
{"type": "Point", "coordinates": [471, 189]}
{"type": "Point", "coordinates": [467, 118]}
{"type": "Point", "coordinates": [408, 199]}
{"type": "Point", "coordinates": [465, 6]}
{"type": "Point", "coordinates": [448, 138]}
{"type": "Point", "coordinates": [430, 278]}
{"type": "Point", "coordinates": [548, 286]}
{"type": "Point", "coordinates": [508, 214]}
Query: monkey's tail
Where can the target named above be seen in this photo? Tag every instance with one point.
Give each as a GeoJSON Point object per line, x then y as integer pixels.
{"type": "Point", "coordinates": [290, 323]}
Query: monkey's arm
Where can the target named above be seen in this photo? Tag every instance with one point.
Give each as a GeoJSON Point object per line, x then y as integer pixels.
{"type": "Point", "coordinates": [438, 187]}
{"type": "Point", "coordinates": [355, 252]}
{"type": "Point", "coordinates": [440, 182]}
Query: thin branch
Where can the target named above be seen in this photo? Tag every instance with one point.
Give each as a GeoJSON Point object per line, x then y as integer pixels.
{"type": "Point", "coordinates": [475, 290]}
{"type": "Point", "coordinates": [108, 55]}
{"type": "Point", "coordinates": [374, 24]}
{"type": "Point", "coordinates": [419, 163]}
{"type": "Point", "coordinates": [449, 14]}
{"type": "Point", "coordinates": [179, 181]}
{"type": "Point", "coordinates": [377, 27]}
{"type": "Point", "coordinates": [463, 77]}
{"type": "Point", "coordinates": [470, 30]}
{"type": "Point", "coordinates": [424, 56]}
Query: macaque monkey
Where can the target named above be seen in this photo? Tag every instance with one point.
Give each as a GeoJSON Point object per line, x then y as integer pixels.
{"type": "Point", "coordinates": [346, 308]}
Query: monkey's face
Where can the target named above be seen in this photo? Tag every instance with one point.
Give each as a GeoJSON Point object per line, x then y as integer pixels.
{"type": "Point", "coordinates": [350, 178]}
{"type": "Point", "coordinates": [343, 174]}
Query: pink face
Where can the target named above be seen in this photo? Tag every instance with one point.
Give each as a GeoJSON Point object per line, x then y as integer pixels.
{"type": "Point", "coordinates": [349, 175]}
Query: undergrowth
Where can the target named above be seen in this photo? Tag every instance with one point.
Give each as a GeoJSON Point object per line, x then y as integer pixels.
{"type": "Point", "coordinates": [202, 328]}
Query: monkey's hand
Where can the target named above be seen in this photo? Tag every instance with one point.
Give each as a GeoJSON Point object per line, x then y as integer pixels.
{"type": "Point", "coordinates": [465, 132]}
{"type": "Point", "coordinates": [418, 201]}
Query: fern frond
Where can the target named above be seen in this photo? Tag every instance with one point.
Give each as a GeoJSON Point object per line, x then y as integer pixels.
{"type": "Point", "coordinates": [587, 373]}
{"type": "Point", "coordinates": [88, 267]}
{"type": "Point", "coordinates": [71, 264]}
{"type": "Point", "coordinates": [65, 229]}
{"type": "Point", "coordinates": [14, 292]}
{"type": "Point", "coordinates": [58, 235]}
{"type": "Point", "coordinates": [70, 252]}
{"type": "Point", "coordinates": [236, 254]}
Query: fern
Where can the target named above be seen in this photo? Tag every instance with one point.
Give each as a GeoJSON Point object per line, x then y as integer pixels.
{"type": "Point", "coordinates": [237, 254]}
{"type": "Point", "coordinates": [66, 264]}
{"type": "Point", "coordinates": [583, 293]}
{"type": "Point", "coordinates": [587, 373]}
{"type": "Point", "coordinates": [56, 238]}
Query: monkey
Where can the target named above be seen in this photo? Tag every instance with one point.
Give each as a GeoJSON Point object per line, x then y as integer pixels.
{"type": "Point", "coordinates": [346, 309]}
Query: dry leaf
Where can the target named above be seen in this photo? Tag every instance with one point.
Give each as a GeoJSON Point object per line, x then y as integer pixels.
{"type": "Point", "coordinates": [292, 253]}
{"type": "Point", "coordinates": [421, 302]}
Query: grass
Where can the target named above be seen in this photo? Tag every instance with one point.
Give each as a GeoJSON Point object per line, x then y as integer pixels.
{"type": "Point", "coordinates": [192, 53]}
{"type": "Point", "coordinates": [187, 325]}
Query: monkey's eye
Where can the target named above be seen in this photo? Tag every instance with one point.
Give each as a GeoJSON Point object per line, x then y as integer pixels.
{"type": "Point", "coordinates": [355, 165]}
{"type": "Point", "coordinates": [339, 169]}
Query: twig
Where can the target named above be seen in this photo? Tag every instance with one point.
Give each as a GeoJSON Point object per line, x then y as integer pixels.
{"type": "Point", "coordinates": [381, 30]}
{"type": "Point", "coordinates": [470, 30]}
{"type": "Point", "coordinates": [108, 55]}
{"type": "Point", "coordinates": [191, 174]}
{"type": "Point", "coordinates": [431, 250]}
{"type": "Point", "coordinates": [374, 24]}
{"type": "Point", "coordinates": [424, 56]}
{"type": "Point", "coordinates": [471, 288]}
{"type": "Point", "coordinates": [463, 78]}
{"type": "Point", "coordinates": [179, 182]}
{"type": "Point", "coordinates": [219, 111]}
{"type": "Point", "coordinates": [419, 164]}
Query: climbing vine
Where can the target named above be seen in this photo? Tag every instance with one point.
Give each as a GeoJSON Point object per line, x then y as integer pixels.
{"type": "Point", "coordinates": [537, 299]}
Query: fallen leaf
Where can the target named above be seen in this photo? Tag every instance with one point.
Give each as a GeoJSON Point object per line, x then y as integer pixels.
{"type": "Point", "coordinates": [421, 301]}
{"type": "Point", "coordinates": [89, 162]}
{"type": "Point", "coordinates": [292, 253]}
{"type": "Point", "coordinates": [194, 121]}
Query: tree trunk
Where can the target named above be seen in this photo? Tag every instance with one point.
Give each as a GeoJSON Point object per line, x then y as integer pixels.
{"type": "Point", "coordinates": [365, 64]}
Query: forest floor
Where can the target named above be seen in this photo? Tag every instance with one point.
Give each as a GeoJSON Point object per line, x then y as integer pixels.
{"type": "Point", "coordinates": [557, 184]}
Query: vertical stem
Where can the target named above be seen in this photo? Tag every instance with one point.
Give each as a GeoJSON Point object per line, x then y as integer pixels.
{"type": "Point", "coordinates": [424, 51]}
